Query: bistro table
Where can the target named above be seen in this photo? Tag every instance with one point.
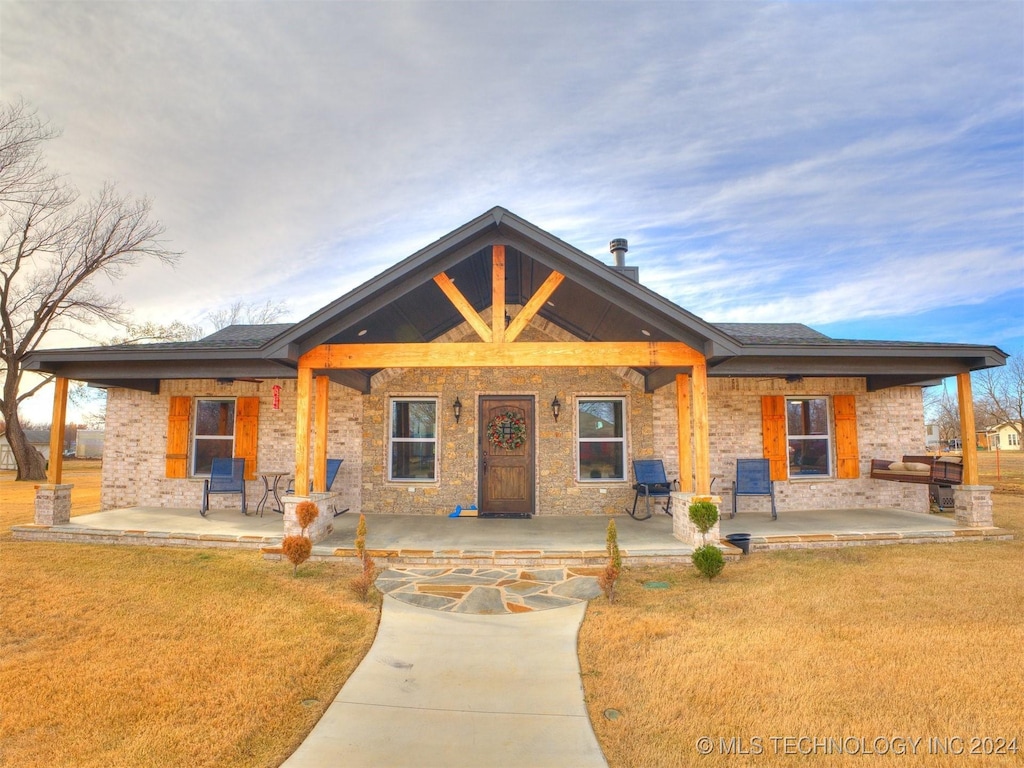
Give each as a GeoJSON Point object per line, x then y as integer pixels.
{"type": "Point", "coordinates": [271, 479]}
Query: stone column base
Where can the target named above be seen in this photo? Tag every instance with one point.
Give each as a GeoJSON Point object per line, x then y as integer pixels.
{"type": "Point", "coordinates": [972, 505]}
{"type": "Point", "coordinates": [686, 531]}
{"type": "Point", "coordinates": [53, 504]}
{"type": "Point", "coordinates": [322, 527]}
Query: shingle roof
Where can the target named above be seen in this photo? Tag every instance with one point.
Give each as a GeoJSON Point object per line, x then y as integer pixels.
{"type": "Point", "coordinates": [771, 333]}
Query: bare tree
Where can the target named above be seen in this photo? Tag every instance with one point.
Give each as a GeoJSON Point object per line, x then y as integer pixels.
{"type": "Point", "coordinates": [999, 393]}
{"type": "Point", "coordinates": [52, 244]}
{"type": "Point", "coordinates": [151, 333]}
{"type": "Point", "coordinates": [942, 408]}
{"type": "Point", "coordinates": [250, 313]}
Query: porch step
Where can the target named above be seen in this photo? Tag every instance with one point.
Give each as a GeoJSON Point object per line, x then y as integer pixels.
{"type": "Point", "coordinates": [522, 558]}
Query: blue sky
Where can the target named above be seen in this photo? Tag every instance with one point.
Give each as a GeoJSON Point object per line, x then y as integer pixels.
{"type": "Point", "coordinates": [856, 166]}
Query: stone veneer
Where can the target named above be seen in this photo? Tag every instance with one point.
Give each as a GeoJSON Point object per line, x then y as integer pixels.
{"type": "Point", "coordinates": [53, 504]}
{"type": "Point", "coordinates": [890, 423]}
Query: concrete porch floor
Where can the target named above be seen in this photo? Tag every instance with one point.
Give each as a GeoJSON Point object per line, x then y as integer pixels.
{"type": "Point", "coordinates": [433, 540]}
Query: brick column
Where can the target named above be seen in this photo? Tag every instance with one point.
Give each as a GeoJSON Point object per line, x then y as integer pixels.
{"type": "Point", "coordinates": [686, 531]}
{"type": "Point", "coordinates": [53, 504]}
{"type": "Point", "coordinates": [972, 505]}
{"type": "Point", "coordinates": [322, 527]}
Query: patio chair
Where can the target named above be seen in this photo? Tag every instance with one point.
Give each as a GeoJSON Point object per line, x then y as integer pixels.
{"type": "Point", "coordinates": [651, 482]}
{"type": "Point", "coordinates": [226, 476]}
{"type": "Point", "coordinates": [753, 478]}
{"type": "Point", "coordinates": [333, 465]}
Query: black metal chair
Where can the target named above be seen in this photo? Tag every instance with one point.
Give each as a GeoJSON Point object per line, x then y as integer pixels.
{"type": "Point", "coordinates": [226, 476]}
{"type": "Point", "coordinates": [651, 482]}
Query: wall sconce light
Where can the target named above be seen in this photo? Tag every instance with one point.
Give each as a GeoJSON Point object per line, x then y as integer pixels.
{"type": "Point", "coordinates": [457, 409]}
{"type": "Point", "coordinates": [556, 407]}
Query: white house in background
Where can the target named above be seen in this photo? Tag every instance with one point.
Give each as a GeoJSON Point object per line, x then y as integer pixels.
{"type": "Point", "coordinates": [931, 437]}
{"type": "Point", "coordinates": [1003, 436]}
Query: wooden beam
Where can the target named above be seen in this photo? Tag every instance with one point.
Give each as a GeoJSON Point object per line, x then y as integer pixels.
{"type": "Point", "coordinates": [701, 431]}
{"type": "Point", "coordinates": [462, 304]}
{"type": "Point", "coordinates": [55, 470]}
{"type": "Point", "coordinates": [323, 396]}
{"type": "Point", "coordinates": [533, 306]}
{"type": "Point", "coordinates": [684, 418]}
{"type": "Point", "coordinates": [303, 419]}
{"type": "Point", "coordinates": [498, 293]}
{"type": "Point", "coordinates": [968, 438]}
{"type": "Point", "coordinates": [522, 354]}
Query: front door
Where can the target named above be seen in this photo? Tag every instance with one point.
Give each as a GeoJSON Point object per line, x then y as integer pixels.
{"type": "Point", "coordinates": [506, 455]}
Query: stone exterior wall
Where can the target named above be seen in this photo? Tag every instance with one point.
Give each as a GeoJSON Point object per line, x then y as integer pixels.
{"type": "Point", "coordinates": [134, 470]}
{"type": "Point", "coordinates": [890, 423]}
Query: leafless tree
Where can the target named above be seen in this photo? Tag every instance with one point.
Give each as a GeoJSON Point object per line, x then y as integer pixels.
{"type": "Point", "coordinates": [943, 409]}
{"type": "Point", "coordinates": [53, 243]}
{"type": "Point", "coordinates": [250, 313]}
{"type": "Point", "coordinates": [999, 393]}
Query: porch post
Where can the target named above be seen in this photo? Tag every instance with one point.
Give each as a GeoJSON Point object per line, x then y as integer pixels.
{"type": "Point", "coordinates": [57, 431]}
{"type": "Point", "coordinates": [972, 503]}
{"type": "Point", "coordinates": [303, 419]}
{"type": "Point", "coordinates": [701, 431]}
{"type": "Point", "coordinates": [323, 385]}
{"type": "Point", "coordinates": [498, 293]}
{"type": "Point", "coordinates": [967, 436]}
{"type": "Point", "coordinates": [683, 422]}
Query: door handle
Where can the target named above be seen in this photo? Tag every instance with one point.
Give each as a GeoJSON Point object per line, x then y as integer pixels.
{"type": "Point", "coordinates": [485, 465]}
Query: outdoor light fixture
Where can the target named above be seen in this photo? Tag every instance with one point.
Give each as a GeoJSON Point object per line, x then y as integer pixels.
{"type": "Point", "coordinates": [556, 407]}
{"type": "Point", "coordinates": [457, 409]}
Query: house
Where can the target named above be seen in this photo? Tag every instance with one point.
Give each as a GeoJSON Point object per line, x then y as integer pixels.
{"type": "Point", "coordinates": [1001, 437]}
{"type": "Point", "coordinates": [37, 438]}
{"type": "Point", "coordinates": [502, 367]}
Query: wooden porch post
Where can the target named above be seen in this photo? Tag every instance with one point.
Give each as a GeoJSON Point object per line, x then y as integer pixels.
{"type": "Point", "coordinates": [684, 421]}
{"type": "Point", "coordinates": [57, 430]}
{"type": "Point", "coordinates": [967, 436]}
{"type": "Point", "coordinates": [323, 388]}
{"type": "Point", "coordinates": [701, 431]}
{"type": "Point", "coordinates": [498, 293]}
{"type": "Point", "coordinates": [303, 419]}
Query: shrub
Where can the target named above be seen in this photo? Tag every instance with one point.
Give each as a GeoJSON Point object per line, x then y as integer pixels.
{"type": "Point", "coordinates": [362, 583]}
{"type": "Point", "coordinates": [606, 580]}
{"type": "Point", "coordinates": [306, 512]}
{"type": "Point", "coordinates": [297, 549]}
{"type": "Point", "coordinates": [703, 514]}
{"type": "Point", "coordinates": [708, 560]}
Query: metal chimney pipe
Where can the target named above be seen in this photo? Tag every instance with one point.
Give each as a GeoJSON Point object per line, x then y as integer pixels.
{"type": "Point", "coordinates": [618, 247]}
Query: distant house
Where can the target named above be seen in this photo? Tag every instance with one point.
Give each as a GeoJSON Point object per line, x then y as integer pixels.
{"type": "Point", "coordinates": [89, 444]}
{"type": "Point", "coordinates": [1002, 437]}
{"type": "Point", "coordinates": [932, 441]}
{"type": "Point", "coordinates": [503, 367]}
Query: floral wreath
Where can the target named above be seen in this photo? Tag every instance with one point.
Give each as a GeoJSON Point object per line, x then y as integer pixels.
{"type": "Point", "coordinates": [509, 439]}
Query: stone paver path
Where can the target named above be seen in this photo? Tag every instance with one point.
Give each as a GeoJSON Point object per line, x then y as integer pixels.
{"type": "Point", "coordinates": [490, 590]}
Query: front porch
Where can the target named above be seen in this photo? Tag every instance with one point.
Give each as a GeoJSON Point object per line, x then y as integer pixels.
{"type": "Point", "coordinates": [555, 540]}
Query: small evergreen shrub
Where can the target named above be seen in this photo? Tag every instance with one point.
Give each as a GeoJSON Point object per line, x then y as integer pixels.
{"type": "Point", "coordinates": [607, 578]}
{"type": "Point", "coordinates": [363, 583]}
{"type": "Point", "coordinates": [708, 560]}
{"type": "Point", "coordinates": [306, 512]}
{"type": "Point", "coordinates": [297, 549]}
{"type": "Point", "coordinates": [703, 514]}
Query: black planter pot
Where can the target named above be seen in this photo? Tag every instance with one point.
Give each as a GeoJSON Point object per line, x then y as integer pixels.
{"type": "Point", "coordinates": [741, 540]}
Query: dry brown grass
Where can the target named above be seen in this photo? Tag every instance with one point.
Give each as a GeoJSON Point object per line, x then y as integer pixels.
{"type": "Point", "coordinates": [914, 641]}
{"type": "Point", "coordinates": [132, 656]}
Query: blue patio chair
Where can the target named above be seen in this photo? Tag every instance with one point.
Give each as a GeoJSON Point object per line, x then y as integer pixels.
{"type": "Point", "coordinates": [651, 482]}
{"type": "Point", "coordinates": [753, 478]}
{"type": "Point", "coordinates": [226, 476]}
{"type": "Point", "coordinates": [333, 465]}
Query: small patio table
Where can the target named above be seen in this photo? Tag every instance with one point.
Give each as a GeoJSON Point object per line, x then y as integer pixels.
{"type": "Point", "coordinates": [271, 479]}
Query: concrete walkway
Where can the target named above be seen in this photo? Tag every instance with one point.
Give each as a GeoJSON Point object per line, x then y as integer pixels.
{"type": "Point", "coordinates": [441, 687]}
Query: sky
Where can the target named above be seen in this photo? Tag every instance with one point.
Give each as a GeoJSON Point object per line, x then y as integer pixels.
{"type": "Point", "coordinates": [855, 166]}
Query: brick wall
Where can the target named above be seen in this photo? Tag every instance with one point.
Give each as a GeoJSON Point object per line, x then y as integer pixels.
{"type": "Point", "coordinates": [890, 423]}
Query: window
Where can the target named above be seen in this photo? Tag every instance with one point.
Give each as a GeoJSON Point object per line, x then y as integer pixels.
{"type": "Point", "coordinates": [1012, 440]}
{"type": "Point", "coordinates": [809, 440]}
{"type": "Point", "coordinates": [413, 453]}
{"type": "Point", "coordinates": [214, 434]}
{"type": "Point", "coordinates": [602, 441]}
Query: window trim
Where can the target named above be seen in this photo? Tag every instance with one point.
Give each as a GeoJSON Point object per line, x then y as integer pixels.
{"type": "Point", "coordinates": [829, 437]}
{"type": "Point", "coordinates": [196, 437]}
{"type": "Point", "coordinates": [435, 399]}
{"type": "Point", "coordinates": [624, 440]}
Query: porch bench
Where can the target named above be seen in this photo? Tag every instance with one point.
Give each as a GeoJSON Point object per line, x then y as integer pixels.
{"type": "Point", "coordinates": [928, 470]}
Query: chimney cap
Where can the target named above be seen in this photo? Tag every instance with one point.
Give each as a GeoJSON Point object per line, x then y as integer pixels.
{"type": "Point", "coordinates": [618, 244]}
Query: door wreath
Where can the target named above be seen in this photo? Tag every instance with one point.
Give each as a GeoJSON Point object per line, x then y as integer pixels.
{"type": "Point", "coordinates": [507, 430]}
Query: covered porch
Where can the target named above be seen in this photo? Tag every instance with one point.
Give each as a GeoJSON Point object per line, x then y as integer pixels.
{"type": "Point", "coordinates": [436, 540]}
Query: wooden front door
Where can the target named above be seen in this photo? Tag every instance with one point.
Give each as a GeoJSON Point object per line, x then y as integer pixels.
{"type": "Point", "coordinates": [506, 470]}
